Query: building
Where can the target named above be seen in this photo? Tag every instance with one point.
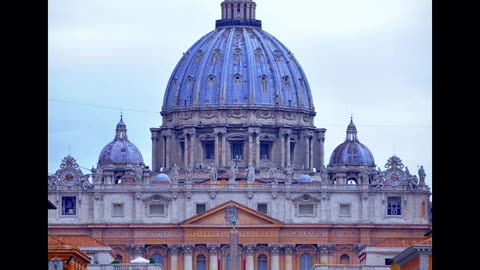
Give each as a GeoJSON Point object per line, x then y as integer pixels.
{"type": "Point", "coordinates": [237, 129]}
{"type": "Point", "coordinates": [417, 256]}
{"type": "Point", "coordinates": [62, 255]}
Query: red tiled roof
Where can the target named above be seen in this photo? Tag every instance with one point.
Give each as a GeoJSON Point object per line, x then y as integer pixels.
{"type": "Point", "coordinates": [80, 241]}
{"type": "Point", "coordinates": [55, 241]}
{"type": "Point", "coordinates": [399, 242]}
{"type": "Point", "coordinates": [427, 242]}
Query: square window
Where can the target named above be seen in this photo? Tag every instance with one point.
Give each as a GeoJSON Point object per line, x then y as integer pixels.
{"type": "Point", "coordinates": [394, 206]}
{"type": "Point", "coordinates": [157, 209]}
{"type": "Point", "coordinates": [237, 150]}
{"type": "Point", "coordinates": [264, 151]}
{"type": "Point", "coordinates": [117, 210]}
{"type": "Point", "coordinates": [305, 209]}
{"type": "Point", "coordinates": [69, 206]}
{"type": "Point", "coordinates": [345, 210]}
{"type": "Point", "coordinates": [200, 208]}
{"type": "Point", "coordinates": [209, 150]}
{"type": "Point", "coordinates": [262, 208]}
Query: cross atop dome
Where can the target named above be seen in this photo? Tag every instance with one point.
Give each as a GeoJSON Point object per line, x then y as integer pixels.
{"type": "Point", "coordinates": [238, 12]}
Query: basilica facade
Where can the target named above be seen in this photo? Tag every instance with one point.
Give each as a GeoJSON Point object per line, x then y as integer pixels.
{"type": "Point", "coordinates": [238, 130]}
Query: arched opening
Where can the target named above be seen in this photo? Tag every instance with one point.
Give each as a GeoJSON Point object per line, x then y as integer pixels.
{"type": "Point", "coordinates": [201, 262]}
{"type": "Point", "coordinates": [119, 258]}
{"type": "Point", "coordinates": [351, 181]}
{"type": "Point", "coordinates": [157, 258]}
{"type": "Point", "coordinates": [262, 262]}
{"type": "Point", "coordinates": [118, 179]}
{"type": "Point", "coordinates": [306, 261]}
{"type": "Point", "coordinates": [344, 259]}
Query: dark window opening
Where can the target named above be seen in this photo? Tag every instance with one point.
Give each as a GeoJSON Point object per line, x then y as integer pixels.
{"type": "Point", "coordinates": [209, 150]}
{"type": "Point", "coordinates": [344, 259]}
{"type": "Point", "coordinates": [262, 208]}
{"type": "Point", "coordinates": [182, 150]}
{"type": "Point", "coordinates": [69, 206]}
{"type": "Point", "coordinates": [388, 261]}
{"type": "Point", "coordinates": [200, 208]}
{"type": "Point", "coordinates": [262, 262]}
{"type": "Point", "coordinates": [237, 151]}
{"type": "Point", "coordinates": [292, 152]}
{"type": "Point", "coordinates": [264, 151]}
{"type": "Point", "coordinates": [201, 262]}
{"type": "Point", "coordinates": [394, 206]}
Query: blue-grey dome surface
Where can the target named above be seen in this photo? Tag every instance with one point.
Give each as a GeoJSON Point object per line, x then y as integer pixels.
{"type": "Point", "coordinates": [236, 66]}
{"type": "Point", "coordinates": [351, 152]}
{"type": "Point", "coordinates": [305, 179]}
{"type": "Point", "coordinates": [161, 177]}
{"type": "Point", "coordinates": [120, 150]}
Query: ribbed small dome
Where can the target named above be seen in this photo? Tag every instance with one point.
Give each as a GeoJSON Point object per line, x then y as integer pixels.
{"type": "Point", "coordinates": [120, 150]}
{"type": "Point", "coordinates": [162, 178]}
{"type": "Point", "coordinates": [305, 179]}
{"type": "Point", "coordinates": [351, 152]}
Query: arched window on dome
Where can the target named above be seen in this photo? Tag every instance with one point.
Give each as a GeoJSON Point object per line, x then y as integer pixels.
{"type": "Point", "coordinates": [201, 262]}
{"type": "Point", "coordinates": [306, 261]}
{"type": "Point", "coordinates": [351, 181]}
{"type": "Point", "coordinates": [262, 262]}
{"type": "Point", "coordinates": [157, 258]}
{"type": "Point", "coordinates": [344, 259]}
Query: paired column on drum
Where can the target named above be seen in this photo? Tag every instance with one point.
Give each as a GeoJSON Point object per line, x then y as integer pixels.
{"type": "Point", "coordinates": [220, 149]}
{"type": "Point", "coordinates": [254, 132]}
{"type": "Point", "coordinates": [189, 149]}
{"type": "Point", "coordinates": [285, 134]}
{"type": "Point", "coordinates": [308, 135]}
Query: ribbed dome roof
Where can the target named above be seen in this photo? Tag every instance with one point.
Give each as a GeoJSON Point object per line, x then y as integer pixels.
{"type": "Point", "coordinates": [351, 152]}
{"type": "Point", "coordinates": [238, 64]}
{"type": "Point", "coordinates": [120, 150]}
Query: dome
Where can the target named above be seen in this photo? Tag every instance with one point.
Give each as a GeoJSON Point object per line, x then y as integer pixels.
{"type": "Point", "coordinates": [305, 179]}
{"type": "Point", "coordinates": [238, 65]}
{"type": "Point", "coordinates": [352, 152]}
{"type": "Point", "coordinates": [120, 150]}
{"type": "Point", "coordinates": [162, 178]}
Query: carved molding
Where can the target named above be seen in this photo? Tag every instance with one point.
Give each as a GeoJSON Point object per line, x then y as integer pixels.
{"type": "Point", "coordinates": [207, 114]}
{"type": "Point", "coordinates": [236, 114]}
{"type": "Point", "coordinates": [265, 114]}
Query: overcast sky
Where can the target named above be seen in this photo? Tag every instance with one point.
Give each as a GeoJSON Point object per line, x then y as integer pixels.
{"type": "Point", "coordinates": [369, 58]}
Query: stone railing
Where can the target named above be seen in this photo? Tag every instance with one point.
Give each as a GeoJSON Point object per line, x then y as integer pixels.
{"type": "Point", "coordinates": [350, 267]}
{"type": "Point", "coordinates": [125, 266]}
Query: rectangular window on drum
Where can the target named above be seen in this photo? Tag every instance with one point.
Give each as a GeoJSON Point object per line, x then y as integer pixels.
{"type": "Point", "coordinates": [237, 150]}
{"type": "Point", "coordinates": [209, 150]}
{"type": "Point", "coordinates": [264, 151]}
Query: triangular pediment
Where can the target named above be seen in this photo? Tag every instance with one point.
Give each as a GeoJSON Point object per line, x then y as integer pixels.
{"type": "Point", "coordinates": [247, 217]}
